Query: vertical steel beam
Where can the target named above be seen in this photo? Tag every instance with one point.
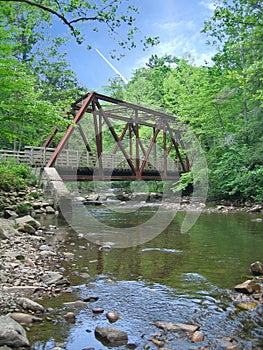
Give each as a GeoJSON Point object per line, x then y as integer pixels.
{"type": "Point", "coordinates": [165, 150]}
{"type": "Point", "coordinates": [178, 154]}
{"type": "Point", "coordinates": [139, 141]}
{"type": "Point", "coordinates": [137, 150]}
{"type": "Point", "coordinates": [98, 142]}
{"type": "Point", "coordinates": [130, 139]}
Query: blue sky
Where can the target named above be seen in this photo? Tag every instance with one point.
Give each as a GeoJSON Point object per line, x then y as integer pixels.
{"type": "Point", "coordinates": [178, 24]}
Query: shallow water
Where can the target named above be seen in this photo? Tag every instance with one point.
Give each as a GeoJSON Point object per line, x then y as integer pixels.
{"type": "Point", "coordinates": [174, 277]}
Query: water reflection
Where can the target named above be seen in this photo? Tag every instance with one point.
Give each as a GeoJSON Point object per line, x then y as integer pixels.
{"type": "Point", "coordinates": [175, 277]}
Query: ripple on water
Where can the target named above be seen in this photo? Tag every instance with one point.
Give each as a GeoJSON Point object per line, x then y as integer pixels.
{"type": "Point", "coordinates": [162, 250]}
{"type": "Point", "coordinates": [139, 304]}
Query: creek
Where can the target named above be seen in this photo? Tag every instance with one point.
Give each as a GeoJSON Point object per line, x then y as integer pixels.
{"type": "Point", "coordinates": [171, 277]}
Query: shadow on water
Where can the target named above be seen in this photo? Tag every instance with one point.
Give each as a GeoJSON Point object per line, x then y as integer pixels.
{"type": "Point", "coordinates": [178, 278]}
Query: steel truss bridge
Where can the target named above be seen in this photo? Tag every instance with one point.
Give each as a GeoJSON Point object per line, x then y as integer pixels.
{"type": "Point", "coordinates": [108, 139]}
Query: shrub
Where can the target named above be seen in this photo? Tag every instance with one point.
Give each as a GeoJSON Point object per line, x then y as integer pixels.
{"type": "Point", "coordinates": [15, 176]}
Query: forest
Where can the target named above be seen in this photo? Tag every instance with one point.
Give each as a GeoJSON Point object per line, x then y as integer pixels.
{"type": "Point", "coordinates": [222, 103]}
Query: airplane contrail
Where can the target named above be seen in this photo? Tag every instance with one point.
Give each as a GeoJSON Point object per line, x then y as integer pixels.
{"type": "Point", "coordinates": [112, 67]}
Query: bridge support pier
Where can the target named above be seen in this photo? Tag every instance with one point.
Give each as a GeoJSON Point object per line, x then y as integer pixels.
{"type": "Point", "coordinates": [54, 187]}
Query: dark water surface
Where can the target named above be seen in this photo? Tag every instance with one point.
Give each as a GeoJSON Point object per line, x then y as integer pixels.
{"type": "Point", "coordinates": [175, 277]}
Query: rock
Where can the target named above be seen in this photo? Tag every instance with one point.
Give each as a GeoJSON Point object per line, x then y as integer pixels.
{"type": "Point", "coordinates": [157, 342]}
{"type": "Point", "coordinates": [10, 214]}
{"type": "Point", "coordinates": [29, 304]}
{"type": "Point", "coordinates": [247, 287]}
{"type": "Point", "coordinates": [68, 256]}
{"type": "Point", "coordinates": [6, 229]}
{"type": "Point", "coordinates": [50, 210]}
{"type": "Point", "coordinates": [91, 298]}
{"type": "Point", "coordinates": [44, 247]}
{"type": "Point", "coordinates": [256, 268]}
{"type": "Point", "coordinates": [256, 209]}
{"type": "Point", "coordinates": [28, 220]}
{"type": "Point", "coordinates": [176, 326]}
{"type": "Point", "coordinates": [113, 316]}
{"type": "Point", "coordinates": [70, 317]}
{"type": "Point", "coordinates": [92, 197]}
{"type": "Point", "coordinates": [197, 337]}
{"type": "Point", "coordinates": [97, 310]}
{"type": "Point", "coordinates": [249, 305]}
{"type": "Point", "coordinates": [75, 304]}
{"type": "Point", "coordinates": [52, 277]}
{"type": "Point", "coordinates": [26, 228]}
{"type": "Point", "coordinates": [24, 290]}
{"type": "Point", "coordinates": [113, 336]}
{"type": "Point", "coordinates": [12, 333]}
{"type": "Point", "coordinates": [24, 318]}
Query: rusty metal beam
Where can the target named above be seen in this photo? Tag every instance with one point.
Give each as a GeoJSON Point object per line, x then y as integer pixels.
{"type": "Point", "coordinates": [116, 138]}
{"type": "Point", "coordinates": [70, 130]}
{"type": "Point", "coordinates": [178, 154]}
{"type": "Point", "coordinates": [121, 138]}
{"type": "Point", "coordinates": [149, 149]}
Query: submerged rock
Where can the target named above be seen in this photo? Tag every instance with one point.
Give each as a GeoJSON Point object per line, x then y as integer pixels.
{"type": "Point", "coordinates": [176, 326]}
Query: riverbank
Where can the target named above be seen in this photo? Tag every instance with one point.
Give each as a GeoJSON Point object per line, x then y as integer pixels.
{"type": "Point", "coordinates": [34, 202]}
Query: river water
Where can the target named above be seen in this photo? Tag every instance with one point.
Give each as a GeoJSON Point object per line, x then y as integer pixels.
{"type": "Point", "coordinates": [171, 277]}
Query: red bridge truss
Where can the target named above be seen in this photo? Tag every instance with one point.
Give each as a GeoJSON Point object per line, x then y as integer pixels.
{"type": "Point", "coordinates": [114, 140]}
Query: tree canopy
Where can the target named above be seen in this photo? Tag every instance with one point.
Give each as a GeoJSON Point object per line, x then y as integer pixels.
{"type": "Point", "coordinates": [221, 103]}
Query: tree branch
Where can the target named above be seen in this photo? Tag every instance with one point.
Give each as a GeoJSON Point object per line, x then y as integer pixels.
{"type": "Point", "coordinates": [53, 12]}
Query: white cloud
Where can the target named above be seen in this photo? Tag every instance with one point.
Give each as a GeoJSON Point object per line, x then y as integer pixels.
{"type": "Point", "coordinates": [170, 27]}
{"type": "Point", "coordinates": [209, 4]}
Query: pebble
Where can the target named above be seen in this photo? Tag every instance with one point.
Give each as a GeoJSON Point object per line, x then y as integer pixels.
{"type": "Point", "coordinates": [97, 310]}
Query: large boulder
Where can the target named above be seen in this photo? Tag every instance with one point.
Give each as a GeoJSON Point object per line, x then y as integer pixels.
{"type": "Point", "coordinates": [12, 333]}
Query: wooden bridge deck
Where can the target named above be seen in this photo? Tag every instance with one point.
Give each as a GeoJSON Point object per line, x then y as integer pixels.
{"type": "Point", "coordinates": [78, 165]}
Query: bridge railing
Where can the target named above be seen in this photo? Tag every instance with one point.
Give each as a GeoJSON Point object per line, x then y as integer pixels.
{"type": "Point", "coordinates": [38, 157]}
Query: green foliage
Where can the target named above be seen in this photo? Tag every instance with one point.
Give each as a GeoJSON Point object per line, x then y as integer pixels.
{"type": "Point", "coordinates": [15, 176]}
{"type": "Point", "coordinates": [233, 175]}
{"type": "Point", "coordinates": [80, 17]}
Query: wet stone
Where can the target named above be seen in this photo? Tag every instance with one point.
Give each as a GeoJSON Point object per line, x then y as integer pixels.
{"type": "Point", "coordinates": [247, 287]}
{"type": "Point", "coordinates": [197, 337]}
{"type": "Point", "coordinates": [91, 298]}
{"type": "Point", "coordinates": [70, 317]}
{"type": "Point", "coordinates": [97, 310]}
{"type": "Point", "coordinates": [111, 335]}
{"type": "Point", "coordinates": [256, 268]}
{"type": "Point", "coordinates": [112, 316]}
